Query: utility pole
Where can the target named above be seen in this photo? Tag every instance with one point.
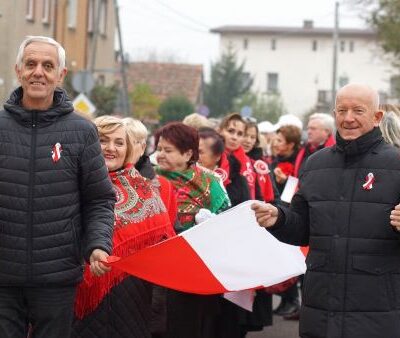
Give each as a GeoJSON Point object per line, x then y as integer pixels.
{"type": "Point", "coordinates": [96, 31]}
{"type": "Point", "coordinates": [125, 97]}
{"type": "Point", "coordinates": [335, 52]}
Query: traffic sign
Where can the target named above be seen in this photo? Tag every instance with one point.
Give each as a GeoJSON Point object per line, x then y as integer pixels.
{"type": "Point", "coordinates": [83, 105]}
{"type": "Point", "coordinates": [83, 81]}
{"type": "Point", "coordinates": [246, 111]}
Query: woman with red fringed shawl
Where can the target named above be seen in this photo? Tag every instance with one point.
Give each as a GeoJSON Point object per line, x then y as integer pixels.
{"type": "Point", "coordinates": [116, 304]}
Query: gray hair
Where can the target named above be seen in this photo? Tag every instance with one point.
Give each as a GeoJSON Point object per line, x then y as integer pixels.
{"type": "Point", "coordinates": [390, 125]}
{"type": "Point", "coordinates": [327, 121]}
{"type": "Point", "coordinates": [36, 38]}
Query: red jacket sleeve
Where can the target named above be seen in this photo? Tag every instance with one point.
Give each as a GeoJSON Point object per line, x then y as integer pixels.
{"type": "Point", "coordinates": [169, 198]}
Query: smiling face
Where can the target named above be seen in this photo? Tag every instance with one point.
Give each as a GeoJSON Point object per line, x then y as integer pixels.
{"type": "Point", "coordinates": [114, 148]}
{"type": "Point", "coordinates": [356, 111]}
{"type": "Point", "coordinates": [39, 75]}
{"type": "Point", "coordinates": [233, 134]}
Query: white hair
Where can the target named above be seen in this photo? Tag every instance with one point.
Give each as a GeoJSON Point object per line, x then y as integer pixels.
{"type": "Point", "coordinates": [390, 125]}
{"type": "Point", "coordinates": [36, 38]}
{"type": "Point", "coordinates": [327, 121]}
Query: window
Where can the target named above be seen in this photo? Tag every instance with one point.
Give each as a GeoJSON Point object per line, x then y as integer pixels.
{"type": "Point", "coordinates": [46, 11]}
{"type": "Point", "coordinates": [395, 86]}
{"type": "Point", "coordinates": [30, 10]}
{"type": "Point", "coordinates": [72, 13]}
{"type": "Point", "coordinates": [314, 45]}
{"type": "Point", "coordinates": [324, 96]}
{"type": "Point", "coordinates": [272, 82]}
{"type": "Point", "coordinates": [245, 43]}
{"type": "Point", "coordinates": [273, 44]}
{"type": "Point", "coordinates": [342, 46]}
{"type": "Point", "coordinates": [91, 14]}
{"type": "Point", "coordinates": [343, 80]}
{"type": "Point", "coordinates": [101, 80]}
{"type": "Point", "coordinates": [351, 46]}
{"type": "Point", "coordinates": [383, 97]}
{"type": "Point", "coordinates": [103, 17]}
{"type": "Point", "coordinates": [247, 79]}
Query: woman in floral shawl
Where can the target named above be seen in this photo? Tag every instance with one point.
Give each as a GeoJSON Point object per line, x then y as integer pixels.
{"type": "Point", "coordinates": [177, 152]}
{"type": "Point", "coordinates": [177, 147]}
{"type": "Point", "coordinates": [116, 304]}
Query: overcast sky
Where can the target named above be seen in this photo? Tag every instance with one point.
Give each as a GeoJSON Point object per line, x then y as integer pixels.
{"type": "Point", "coordinates": [179, 29]}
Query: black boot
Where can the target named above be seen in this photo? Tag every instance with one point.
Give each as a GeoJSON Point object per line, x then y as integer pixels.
{"type": "Point", "coordinates": [280, 306]}
{"type": "Point", "coordinates": [288, 308]}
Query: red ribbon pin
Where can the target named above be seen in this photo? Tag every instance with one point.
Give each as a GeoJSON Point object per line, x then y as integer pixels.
{"type": "Point", "coordinates": [56, 152]}
{"type": "Point", "coordinates": [369, 180]}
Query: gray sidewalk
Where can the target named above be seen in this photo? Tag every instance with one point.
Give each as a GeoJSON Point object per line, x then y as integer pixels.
{"type": "Point", "coordinates": [280, 329]}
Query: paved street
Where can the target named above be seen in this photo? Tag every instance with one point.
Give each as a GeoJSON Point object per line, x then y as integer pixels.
{"type": "Point", "coordinates": [280, 329]}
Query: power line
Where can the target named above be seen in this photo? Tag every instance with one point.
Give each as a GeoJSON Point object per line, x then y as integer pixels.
{"type": "Point", "coordinates": [182, 15]}
{"type": "Point", "coordinates": [153, 11]}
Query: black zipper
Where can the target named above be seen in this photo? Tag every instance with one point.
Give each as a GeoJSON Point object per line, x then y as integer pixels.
{"type": "Point", "coordinates": [31, 194]}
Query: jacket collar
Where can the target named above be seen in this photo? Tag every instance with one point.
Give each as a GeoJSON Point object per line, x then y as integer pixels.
{"type": "Point", "coordinates": [62, 105]}
{"type": "Point", "coordinates": [360, 145]}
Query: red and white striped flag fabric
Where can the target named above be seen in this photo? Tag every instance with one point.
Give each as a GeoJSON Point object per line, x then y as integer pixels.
{"type": "Point", "coordinates": [228, 252]}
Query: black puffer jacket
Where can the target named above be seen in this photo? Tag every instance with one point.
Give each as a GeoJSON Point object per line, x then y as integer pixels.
{"type": "Point", "coordinates": [52, 213]}
{"type": "Point", "coordinates": [352, 283]}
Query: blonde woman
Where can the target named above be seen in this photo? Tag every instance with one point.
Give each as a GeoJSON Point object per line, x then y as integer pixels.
{"type": "Point", "coordinates": [390, 124]}
{"type": "Point", "coordinates": [118, 305]}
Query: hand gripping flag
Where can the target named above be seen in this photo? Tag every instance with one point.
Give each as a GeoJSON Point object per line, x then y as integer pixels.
{"type": "Point", "coordinates": [228, 252]}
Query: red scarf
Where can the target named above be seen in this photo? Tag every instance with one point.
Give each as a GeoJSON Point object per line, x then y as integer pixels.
{"type": "Point", "coordinates": [246, 170]}
{"type": "Point", "coordinates": [300, 156]}
{"type": "Point", "coordinates": [141, 220]}
{"type": "Point", "coordinates": [264, 180]}
{"type": "Point", "coordinates": [223, 170]}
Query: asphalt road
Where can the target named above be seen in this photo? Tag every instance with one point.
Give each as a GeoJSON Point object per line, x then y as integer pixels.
{"type": "Point", "coordinates": [280, 329]}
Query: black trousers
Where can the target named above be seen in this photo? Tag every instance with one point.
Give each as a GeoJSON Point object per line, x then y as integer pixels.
{"type": "Point", "coordinates": [48, 310]}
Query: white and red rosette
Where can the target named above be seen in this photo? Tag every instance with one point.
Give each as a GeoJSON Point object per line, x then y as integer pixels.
{"type": "Point", "coordinates": [261, 167]}
{"type": "Point", "coordinates": [221, 173]}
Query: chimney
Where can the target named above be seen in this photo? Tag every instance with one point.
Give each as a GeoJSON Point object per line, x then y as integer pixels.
{"type": "Point", "coordinates": [308, 24]}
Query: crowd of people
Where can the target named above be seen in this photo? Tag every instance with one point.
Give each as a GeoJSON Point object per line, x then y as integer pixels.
{"type": "Point", "coordinates": [77, 190]}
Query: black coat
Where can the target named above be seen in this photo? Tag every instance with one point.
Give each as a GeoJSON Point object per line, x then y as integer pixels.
{"type": "Point", "coordinates": [125, 312]}
{"type": "Point", "coordinates": [52, 212]}
{"type": "Point", "coordinates": [352, 283]}
{"type": "Point", "coordinates": [238, 190]}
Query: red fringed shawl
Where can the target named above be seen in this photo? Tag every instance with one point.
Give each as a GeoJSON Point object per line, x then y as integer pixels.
{"type": "Point", "coordinates": [141, 220]}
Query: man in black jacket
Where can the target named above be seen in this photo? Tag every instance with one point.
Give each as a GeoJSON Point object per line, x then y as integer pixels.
{"type": "Point", "coordinates": [56, 200]}
{"type": "Point", "coordinates": [343, 211]}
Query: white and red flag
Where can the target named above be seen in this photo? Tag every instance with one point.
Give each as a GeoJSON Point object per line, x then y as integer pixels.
{"type": "Point", "coordinates": [228, 252]}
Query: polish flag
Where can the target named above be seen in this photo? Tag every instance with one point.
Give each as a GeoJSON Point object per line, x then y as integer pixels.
{"type": "Point", "coordinates": [228, 252]}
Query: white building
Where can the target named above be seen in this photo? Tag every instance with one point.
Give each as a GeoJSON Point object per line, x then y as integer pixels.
{"type": "Point", "coordinates": [296, 62]}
